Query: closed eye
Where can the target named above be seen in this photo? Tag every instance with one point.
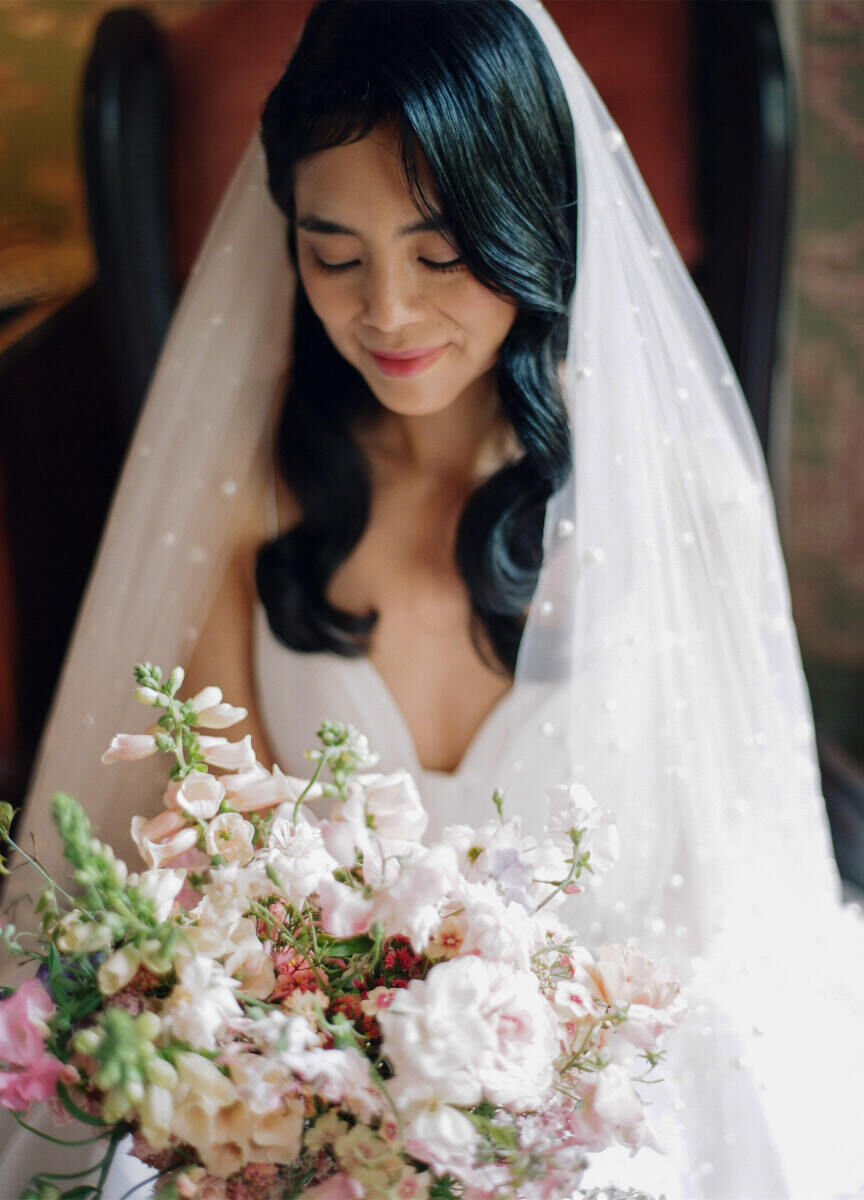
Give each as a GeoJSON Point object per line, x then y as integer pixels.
{"type": "Point", "coordinates": [453, 264]}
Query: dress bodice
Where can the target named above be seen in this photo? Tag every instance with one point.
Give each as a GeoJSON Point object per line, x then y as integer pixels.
{"type": "Point", "coordinates": [296, 691]}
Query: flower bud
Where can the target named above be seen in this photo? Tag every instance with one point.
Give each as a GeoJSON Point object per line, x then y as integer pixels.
{"type": "Point", "coordinates": [134, 1090]}
{"type": "Point", "coordinates": [86, 1041]}
{"type": "Point", "coordinates": [118, 970]}
{"type": "Point", "coordinates": [175, 680]}
{"type": "Point", "coordinates": [149, 696]}
{"type": "Point", "coordinates": [161, 1073]}
{"type": "Point", "coordinates": [147, 1026]}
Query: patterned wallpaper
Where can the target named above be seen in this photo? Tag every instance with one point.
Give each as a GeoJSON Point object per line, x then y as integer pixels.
{"type": "Point", "coordinates": [43, 45]}
{"type": "Point", "coordinates": [825, 524]}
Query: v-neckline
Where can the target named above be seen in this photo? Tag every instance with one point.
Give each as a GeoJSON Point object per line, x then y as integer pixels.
{"type": "Point", "coordinates": [388, 704]}
{"type": "Point", "coordinates": [480, 733]}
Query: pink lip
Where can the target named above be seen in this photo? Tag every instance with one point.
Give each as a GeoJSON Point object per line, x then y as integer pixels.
{"type": "Point", "coordinates": [407, 362]}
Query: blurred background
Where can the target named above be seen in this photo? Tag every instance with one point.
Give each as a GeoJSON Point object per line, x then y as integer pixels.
{"type": "Point", "coordinates": [745, 116]}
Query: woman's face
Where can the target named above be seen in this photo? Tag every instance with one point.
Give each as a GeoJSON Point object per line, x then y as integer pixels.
{"type": "Point", "coordinates": [389, 289]}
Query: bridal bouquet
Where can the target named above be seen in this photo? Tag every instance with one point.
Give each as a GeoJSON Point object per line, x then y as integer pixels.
{"type": "Point", "coordinates": [284, 1000]}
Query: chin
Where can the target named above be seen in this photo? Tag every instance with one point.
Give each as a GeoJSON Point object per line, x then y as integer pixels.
{"type": "Point", "coordinates": [400, 397]}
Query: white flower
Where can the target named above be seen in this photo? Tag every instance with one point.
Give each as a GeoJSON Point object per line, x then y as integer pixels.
{"type": "Point", "coordinates": [497, 929]}
{"type": "Point", "coordinates": [258, 788]}
{"type": "Point", "coordinates": [340, 1077]}
{"type": "Point", "coordinates": [624, 978]}
{"type": "Point", "coordinates": [298, 858]}
{"type": "Point", "coordinates": [163, 838]}
{"type": "Point", "coordinates": [200, 795]}
{"type": "Point", "coordinates": [393, 806]}
{"type": "Point", "coordinates": [230, 835]}
{"type": "Point", "coordinates": [228, 893]}
{"type": "Point", "coordinates": [155, 1112]}
{"type": "Point", "coordinates": [611, 1111]}
{"type": "Point", "coordinates": [75, 935]}
{"type": "Point", "coordinates": [572, 807]}
{"type": "Point", "coordinates": [200, 1003]}
{"type": "Point", "coordinates": [471, 1029]}
{"type": "Point", "coordinates": [413, 903]}
{"type": "Point", "coordinates": [441, 1136]}
{"type": "Point", "coordinates": [160, 887]}
{"type": "Point", "coordinates": [127, 747]}
{"type": "Point", "coordinates": [345, 911]}
{"type": "Point", "coordinates": [118, 969]}
{"type": "Point", "coordinates": [228, 756]}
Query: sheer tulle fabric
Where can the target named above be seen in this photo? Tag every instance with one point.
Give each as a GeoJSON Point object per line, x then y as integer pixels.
{"type": "Point", "coordinates": [659, 665]}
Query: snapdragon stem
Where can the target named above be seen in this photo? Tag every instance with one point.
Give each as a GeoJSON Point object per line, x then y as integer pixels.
{"type": "Point", "coordinates": [35, 863]}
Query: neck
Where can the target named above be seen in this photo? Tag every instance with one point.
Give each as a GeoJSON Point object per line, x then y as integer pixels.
{"type": "Point", "coordinates": [465, 442]}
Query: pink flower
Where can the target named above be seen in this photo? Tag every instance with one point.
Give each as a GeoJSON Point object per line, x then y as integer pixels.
{"type": "Point", "coordinates": [127, 747]}
{"type": "Point", "coordinates": [30, 1073]}
{"type": "Point", "coordinates": [163, 839]}
{"type": "Point", "coordinates": [344, 911]}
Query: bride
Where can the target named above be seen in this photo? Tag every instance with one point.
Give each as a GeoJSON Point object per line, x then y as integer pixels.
{"type": "Point", "coordinates": [516, 528]}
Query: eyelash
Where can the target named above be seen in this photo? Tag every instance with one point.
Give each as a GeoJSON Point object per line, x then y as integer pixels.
{"type": "Point", "coordinates": [455, 264]}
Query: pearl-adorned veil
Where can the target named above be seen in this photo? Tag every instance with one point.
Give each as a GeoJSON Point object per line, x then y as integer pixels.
{"type": "Point", "coordinates": [659, 665]}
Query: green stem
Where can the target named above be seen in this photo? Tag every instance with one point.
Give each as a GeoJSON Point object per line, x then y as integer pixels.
{"type": "Point", "coordinates": [117, 1136]}
{"type": "Point", "coordinates": [321, 761]}
{"type": "Point", "coordinates": [71, 1175]}
{"type": "Point", "coordinates": [143, 1183]}
{"type": "Point", "coordinates": [34, 863]}
{"type": "Point", "coordinates": [57, 1141]}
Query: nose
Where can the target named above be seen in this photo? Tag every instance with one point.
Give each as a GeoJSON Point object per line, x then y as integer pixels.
{"type": "Point", "coordinates": [389, 298]}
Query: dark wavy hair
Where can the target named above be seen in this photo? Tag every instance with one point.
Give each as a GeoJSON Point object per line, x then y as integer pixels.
{"type": "Point", "coordinates": [471, 88]}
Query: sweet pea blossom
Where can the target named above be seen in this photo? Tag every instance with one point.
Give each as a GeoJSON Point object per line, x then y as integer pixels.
{"type": "Point", "coordinates": [413, 903]}
{"type": "Point", "coordinates": [393, 806]}
{"type": "Point", "coordinates": [571, 806]}
{"type": "Point", "coordinates": [127, 747]}
{"type": "Point", "coordinates": [27, 1072]}
{"type": "Point", "coordinates": [345, 912]}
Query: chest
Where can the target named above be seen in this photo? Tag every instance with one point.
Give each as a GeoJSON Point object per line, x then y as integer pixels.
{"type": "Point", "coordinates": [422, 648]}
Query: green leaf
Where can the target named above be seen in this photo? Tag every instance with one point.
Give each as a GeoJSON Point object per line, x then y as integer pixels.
{"type": "Point", "coordinates": [358, 945]}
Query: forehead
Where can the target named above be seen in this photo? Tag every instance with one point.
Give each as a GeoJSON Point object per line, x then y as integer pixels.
{"type": "Point", "coordinates": [362, 177]}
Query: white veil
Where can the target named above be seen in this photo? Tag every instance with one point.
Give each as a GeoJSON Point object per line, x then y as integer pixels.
{"type": "Point", "coordinates": [659, 664]}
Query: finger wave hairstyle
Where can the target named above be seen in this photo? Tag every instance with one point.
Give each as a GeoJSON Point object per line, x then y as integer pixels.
{"type": "Point", "coordinates": [472, 90]}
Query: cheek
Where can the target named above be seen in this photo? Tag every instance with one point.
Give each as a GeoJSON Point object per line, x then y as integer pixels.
{"type": "Point", "coordinates": [486, 318]}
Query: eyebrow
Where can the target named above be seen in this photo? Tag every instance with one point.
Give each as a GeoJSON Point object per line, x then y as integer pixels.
{"type": "Point", "coordinates": [315, 224]}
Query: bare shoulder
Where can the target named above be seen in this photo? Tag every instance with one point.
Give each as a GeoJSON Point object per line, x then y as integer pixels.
{"type": "Point", "coordinates": [223, 654]}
